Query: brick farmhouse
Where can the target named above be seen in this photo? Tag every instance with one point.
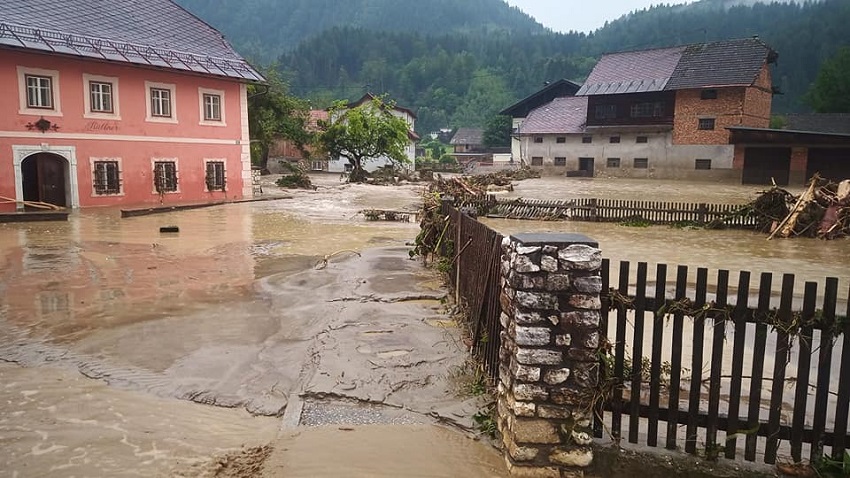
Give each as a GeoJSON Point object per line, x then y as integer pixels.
{"type": "Point", "coordinates": [660, 113]}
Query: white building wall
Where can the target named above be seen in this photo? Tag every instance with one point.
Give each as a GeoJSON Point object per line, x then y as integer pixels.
{"type": "Point", "coordinates": [663, 159]}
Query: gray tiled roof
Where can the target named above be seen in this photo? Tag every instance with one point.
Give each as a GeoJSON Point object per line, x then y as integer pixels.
{"type": "Point", "coordinates": [632, 72]}
{"type": "Point", "coordinates": [468, 136]}
{"type": "Point", "coordinates": [146, 32]}
{"type": "Point", "coordinates": [722, 63]}
{"type": "Point", "coordinates": [819, 122]}
{"type": "Point", "coordinates": [562, 116]}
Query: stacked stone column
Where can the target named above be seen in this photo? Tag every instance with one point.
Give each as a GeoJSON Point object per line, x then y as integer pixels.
{"type": "Point", "coordinates": [549, 359]}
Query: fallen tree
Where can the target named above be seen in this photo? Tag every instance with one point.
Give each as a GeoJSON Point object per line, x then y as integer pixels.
{"type": "Point", "coordinates": [823, 211]}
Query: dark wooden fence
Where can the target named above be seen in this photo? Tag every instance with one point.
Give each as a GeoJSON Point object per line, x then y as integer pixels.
{"type": "Point", "coordinates": [616, 210]}
{"type": "Point", "coordinates": [752, 372]}
{"type": "Point", "coordinates": [475, 268]}
{"type": "Point", "coordinates": [711, 373]}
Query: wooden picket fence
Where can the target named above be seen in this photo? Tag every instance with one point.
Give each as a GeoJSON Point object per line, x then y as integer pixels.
{"type": "Point", "coordinates": [758, 381]}
{"type": "Point", "coordinates": [617, 210]}
{"type": "Point", "coordinates": [748, 372]}
{"type": "Point", "coordinates": [475, 270]}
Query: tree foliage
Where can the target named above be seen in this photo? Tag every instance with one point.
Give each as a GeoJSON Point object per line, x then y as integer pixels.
{"type": "Point", "coordinates": [365, 132]}
{"type": "Point", "coordinates": [457, 63]}
{"type": "Point", "coordinates": [830, 92]}
{"type": "Point", "coordinates": [275, 114]}
{"type": "Point", "coordinates": [262, 29]}
{"type": "Point", "coordinates": [497, 133]}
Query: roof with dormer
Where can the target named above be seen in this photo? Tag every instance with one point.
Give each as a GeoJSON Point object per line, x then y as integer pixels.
{"type": "Point", "coordinates": [155, 33]}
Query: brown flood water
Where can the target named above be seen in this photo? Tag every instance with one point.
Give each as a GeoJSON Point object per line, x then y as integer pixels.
{"type": "Point", "coordinates": [191, 316]}
{"type": "Point", "coordinates": [158, 317]}
{"type": "Point", "coordinates": [808, 259]}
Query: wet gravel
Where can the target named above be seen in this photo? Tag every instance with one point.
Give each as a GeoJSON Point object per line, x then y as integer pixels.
{"type": "Point", "coordinates": [323, 413]}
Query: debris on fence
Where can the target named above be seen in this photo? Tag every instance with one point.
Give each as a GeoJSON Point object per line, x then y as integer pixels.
{"type": "Point", "coordinates": [532, 209]}
{"type": "Point", "coordinates": [432, 229]}
{"type": "Point", "coordinates": [387, 215]}
{"type": "Point", "coordinates": [823, 210]}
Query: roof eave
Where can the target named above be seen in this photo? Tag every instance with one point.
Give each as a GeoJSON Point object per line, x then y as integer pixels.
{"type": "Point", "coordinates": [92, 48]}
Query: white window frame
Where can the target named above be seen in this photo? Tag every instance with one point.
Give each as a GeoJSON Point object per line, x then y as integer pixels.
{"type": "Point", "coordinates": [176, 174]}
{"type": "Point", "coordinates": [162, 86]}
{"type": "Point", "coordinates": [214, 160]}
{"type": "Point", "coordinates": [202, 107]}
{"type": "Point", "coordinates": [23, 107]}
{"type": "Point", "coordinates": [116, 109]}
{"type": "Point", "coordinates": [120, 192]}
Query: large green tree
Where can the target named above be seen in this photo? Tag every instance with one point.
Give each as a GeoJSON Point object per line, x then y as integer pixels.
{"type": "Point", "coordinates": [366, 132]}
{"type": "Point", "coordinates": [497, 132]}
{"type": "Point", "coordinates": [275, 114]}
{"type": "Point", "coordinates": [487, 94]}
{"type": "Point", "coordinates": [830, 92]}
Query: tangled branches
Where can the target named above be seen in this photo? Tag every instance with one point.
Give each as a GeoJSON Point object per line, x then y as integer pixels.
{"type": "Point", "coordinates": [432, 238]}
{"type": "Point", "coordinates": [823, 210]}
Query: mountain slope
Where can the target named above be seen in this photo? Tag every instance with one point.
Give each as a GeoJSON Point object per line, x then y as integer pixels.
{"type": "Point", "coordinates": [263, 29]}
{"type": "Point", "coordinates": [456, 63]}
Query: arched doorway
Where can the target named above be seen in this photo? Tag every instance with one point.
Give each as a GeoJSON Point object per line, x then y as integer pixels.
{"type": "Point", "coordinates": [44, 178]}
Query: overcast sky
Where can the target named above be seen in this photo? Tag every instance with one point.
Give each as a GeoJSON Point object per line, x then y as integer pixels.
{"type": "Point", "coordinates": [581, 15]}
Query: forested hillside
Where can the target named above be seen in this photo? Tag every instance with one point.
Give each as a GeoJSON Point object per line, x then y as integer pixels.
{"type": "Point", "coordinates": [458, 66]}
{"type": "Point", "coordinates": [263, 29]}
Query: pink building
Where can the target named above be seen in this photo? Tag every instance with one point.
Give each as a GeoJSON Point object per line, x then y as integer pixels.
{"type": "Point", "coordinates": [142, 105]}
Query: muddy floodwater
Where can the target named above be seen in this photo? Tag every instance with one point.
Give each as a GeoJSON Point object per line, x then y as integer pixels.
{"type": "Point", "coordinates": [115, 339]}
{"type": "Point", "coordinates": [126, 351]}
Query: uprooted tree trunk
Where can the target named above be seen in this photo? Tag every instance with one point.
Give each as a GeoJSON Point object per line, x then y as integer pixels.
{"type": "Point", "coordinates": [823, 210]}
{"type": "Point", "coordinates": [786, 227]}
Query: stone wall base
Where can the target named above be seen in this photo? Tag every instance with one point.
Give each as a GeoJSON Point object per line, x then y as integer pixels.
{"type": "Point", "coordinates": [627, 461]}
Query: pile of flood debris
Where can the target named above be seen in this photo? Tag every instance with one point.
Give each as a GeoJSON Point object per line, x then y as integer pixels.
{"type": "Point", "coordinates": [822, 211]}
{"type": "Point", "coordinates": [472, 188]}
{"type": "Point", "coordinates": [470, 194]}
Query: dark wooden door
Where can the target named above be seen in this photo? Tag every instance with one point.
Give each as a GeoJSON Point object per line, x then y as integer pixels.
{"type": "Point", "coordinates": [831, 163]}
{"type": "Point", "coordinates": [763, 165]}
{"type": "Point", "coordinates": [586, 165]}
{"type": "Point", "coordinates": [44, 179]}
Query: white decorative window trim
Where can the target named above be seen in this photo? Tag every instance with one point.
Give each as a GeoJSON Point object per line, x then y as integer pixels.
{"type": "Point", "coordinates": [176, 174]}
{"type": "Point", "coordinates": [20, 153]}
{"type": "Point", "coordinates": [116, 106]}
{"type": "Point", "coordinates": [23, 108]}
{"type": "Point", "coordinates": [164, 86]}
{"type": "Point", "coordinates": [201, 107]}
{"type": "Point", "coordinates": [215, 160]}
{"type": "Point", "coordinates": [120, 162]}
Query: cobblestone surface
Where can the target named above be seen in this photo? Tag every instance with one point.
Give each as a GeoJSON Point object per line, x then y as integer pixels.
{"type": "Point", "coordinates": [321, 413]}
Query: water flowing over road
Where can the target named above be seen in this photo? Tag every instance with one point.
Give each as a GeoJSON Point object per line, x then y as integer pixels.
{"type": "Point", "coordinates": [124, 351]}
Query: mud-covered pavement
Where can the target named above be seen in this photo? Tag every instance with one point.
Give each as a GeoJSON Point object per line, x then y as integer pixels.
{"type": "Point", "coordinates": [124, 351]}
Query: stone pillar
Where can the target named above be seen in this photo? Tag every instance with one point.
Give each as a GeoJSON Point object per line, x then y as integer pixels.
{"type": "Point", "coordinates": [549, 364]}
